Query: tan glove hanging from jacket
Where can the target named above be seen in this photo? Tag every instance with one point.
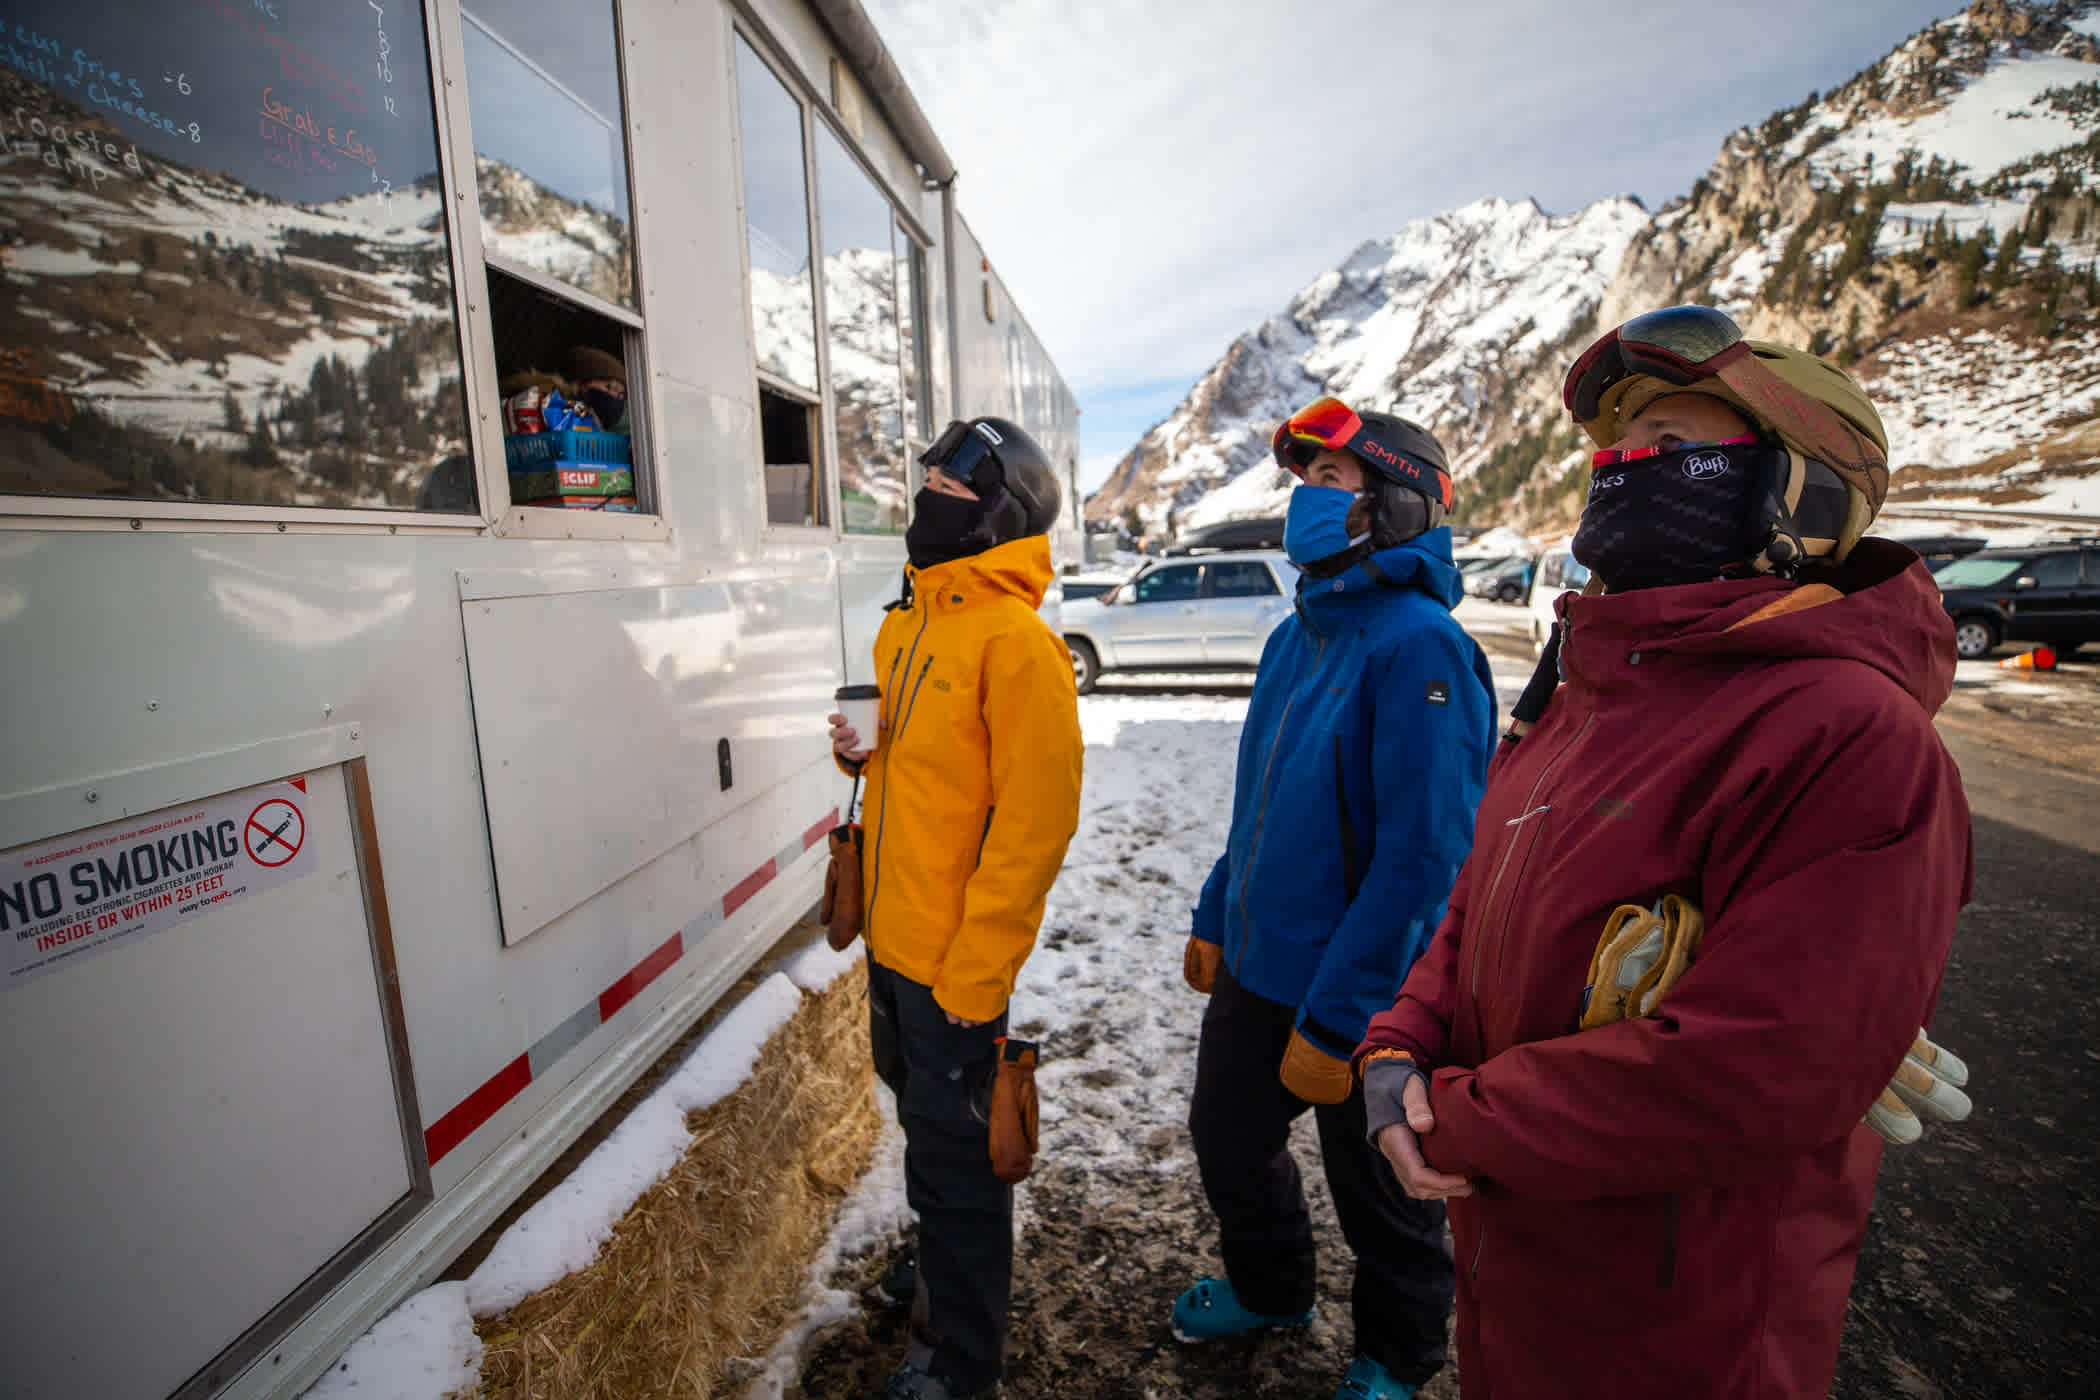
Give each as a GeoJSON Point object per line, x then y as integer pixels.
{"type": "Point", "coordinates": [1200, 962]}
{"type": "Point", "coordinates": [1643, 952]}
{"type": "Point", "coordinates": [1014, 1111]}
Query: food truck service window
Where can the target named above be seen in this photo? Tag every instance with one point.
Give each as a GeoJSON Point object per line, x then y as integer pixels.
{"type": "Point", "coordinates": [224, 249]}
{"type": "Point", "coordinates": [557, 237]}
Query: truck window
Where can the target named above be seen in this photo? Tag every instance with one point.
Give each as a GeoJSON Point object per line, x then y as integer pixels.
{"type": "Point", "coordinates": [783, 288]}
{"type": "Point", "coordinates": [226, 259]}
{"type": "Point", "coordinates": [863, 327]}
{"type": "Point", "coordinates": [557, 236]}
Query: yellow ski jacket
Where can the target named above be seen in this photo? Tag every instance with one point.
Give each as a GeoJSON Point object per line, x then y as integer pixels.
{"type": "Point", "coordinates": [973, 793]}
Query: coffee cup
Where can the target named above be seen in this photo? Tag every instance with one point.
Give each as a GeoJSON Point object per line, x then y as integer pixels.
{"type": "Point", "coordinates": [862, 707]}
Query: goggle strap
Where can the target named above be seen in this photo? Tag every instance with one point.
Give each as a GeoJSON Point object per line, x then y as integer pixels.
{"type": "Point", "coordinates": [1827, 434]}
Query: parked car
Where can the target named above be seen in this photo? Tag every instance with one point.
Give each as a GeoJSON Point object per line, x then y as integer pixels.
{"type": "Point", "coordinates": [1506, 582]}
{"type": "Point", "coordinates": [1184, 614]}
{"type": "Point", "coordinates": [1559, 571]}
{"type": "Point", "coordinates": [2043, 593]}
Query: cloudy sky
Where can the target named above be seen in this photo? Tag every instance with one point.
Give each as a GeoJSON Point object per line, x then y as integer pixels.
{"type": "Point", "coordinates": [1152, 177]}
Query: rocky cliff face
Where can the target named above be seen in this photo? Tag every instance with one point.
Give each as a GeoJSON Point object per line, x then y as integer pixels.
{"type": "Point", "coordinates": [1930, 225]}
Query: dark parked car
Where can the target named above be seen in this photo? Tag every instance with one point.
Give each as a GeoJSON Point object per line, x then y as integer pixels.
{"type": "Point", "coordinates": [2044, 593]}
{"type": "Point", "coordinates": [1506, 582]}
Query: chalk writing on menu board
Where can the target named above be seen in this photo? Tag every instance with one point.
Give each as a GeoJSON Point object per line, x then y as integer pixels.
{"type": "Point", "coordinates": [224, 253]}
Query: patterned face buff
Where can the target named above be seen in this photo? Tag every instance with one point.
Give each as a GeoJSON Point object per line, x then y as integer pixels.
{"type": "Point", "coordinates": [1657, 518]}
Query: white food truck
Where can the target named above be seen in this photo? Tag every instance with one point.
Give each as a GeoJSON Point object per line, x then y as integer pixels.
{"type": "Point", "coordinates": [449, 454]}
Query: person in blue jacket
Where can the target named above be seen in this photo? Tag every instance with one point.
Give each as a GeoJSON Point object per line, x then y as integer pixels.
{"type": "Point", "coordinates": [1364, 754]}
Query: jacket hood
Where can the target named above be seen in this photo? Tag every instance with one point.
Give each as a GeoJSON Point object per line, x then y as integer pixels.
{"type": "Point", "coordinates": [1887, 615]}
{"type": "Point", "coordinates": [1423, 564]}
{"type": "Point", "coordinates": [1019, 567]}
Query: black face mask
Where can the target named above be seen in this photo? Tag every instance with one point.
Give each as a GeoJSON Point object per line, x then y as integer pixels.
{"type": "Point", "coordinates": [1676, 517]}
{"type": "Point", "coordinates": [606, 407]}
{"type": "Point", "coordinates": [945, 527]}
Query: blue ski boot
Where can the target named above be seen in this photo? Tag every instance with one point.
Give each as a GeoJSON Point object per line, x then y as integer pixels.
{"type": "Point", "coordinates": [1212, 1310]}
{"type": "Point", "coordinates": [1367, 1380]}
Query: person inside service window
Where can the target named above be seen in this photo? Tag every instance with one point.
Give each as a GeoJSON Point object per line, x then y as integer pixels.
{"type": "Point", "coordinates": [600, 380]}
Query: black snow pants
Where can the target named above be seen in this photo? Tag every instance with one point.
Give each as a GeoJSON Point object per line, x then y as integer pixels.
{"type": "Point", "coordinates": [1241, 1117]}
{"type": "Point", "coordinates": [942, 1077]}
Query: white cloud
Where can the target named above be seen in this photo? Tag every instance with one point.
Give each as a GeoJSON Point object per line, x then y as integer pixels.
{"type": "Point", "coordinates": [1155, 176]}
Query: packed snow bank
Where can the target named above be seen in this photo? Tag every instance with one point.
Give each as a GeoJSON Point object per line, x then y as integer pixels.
{"type": "Point", "coordinates": [426, 1348]}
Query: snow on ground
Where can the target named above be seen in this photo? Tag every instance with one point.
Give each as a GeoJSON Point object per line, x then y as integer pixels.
{"type": "Point", "coordinates": [1103, 991]}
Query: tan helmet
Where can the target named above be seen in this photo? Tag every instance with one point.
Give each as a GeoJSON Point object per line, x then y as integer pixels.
{"type": "Point", "coordinates": [1820, 463]}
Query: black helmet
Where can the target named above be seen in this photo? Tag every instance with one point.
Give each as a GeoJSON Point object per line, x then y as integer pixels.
{"type": "Point", "coordinates": [997, 459]}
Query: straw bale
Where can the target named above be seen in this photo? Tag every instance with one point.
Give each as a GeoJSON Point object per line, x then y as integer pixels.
{"type": "Point", "coordinates": [708, 1265]}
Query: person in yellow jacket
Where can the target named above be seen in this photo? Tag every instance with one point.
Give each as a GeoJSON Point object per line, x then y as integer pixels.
{"type": "Point", "coordinates": [972, 795]}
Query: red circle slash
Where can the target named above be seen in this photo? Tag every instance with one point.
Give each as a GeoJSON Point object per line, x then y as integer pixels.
{"type": "Point", "coordinates": [275, 832]}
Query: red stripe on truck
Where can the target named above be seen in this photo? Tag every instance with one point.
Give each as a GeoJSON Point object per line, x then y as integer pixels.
{"type": "Point", "coordinates": [643, 973]}
{"type": "Point", "coordinates": [477, 1108]}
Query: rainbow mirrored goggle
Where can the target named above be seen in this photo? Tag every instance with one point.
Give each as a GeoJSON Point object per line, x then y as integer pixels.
{"type": "Point", "coordinates": [1324, 423]}
{"type": "Point", "coordinates": [1619, 456]}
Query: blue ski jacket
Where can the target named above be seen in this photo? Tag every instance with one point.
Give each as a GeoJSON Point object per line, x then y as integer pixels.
{"type": "Point", "coordinates": [1364, 754]}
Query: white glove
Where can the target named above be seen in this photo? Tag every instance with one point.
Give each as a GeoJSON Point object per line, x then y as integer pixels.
{"type": "Point", "coordinates": [1926, 1087]}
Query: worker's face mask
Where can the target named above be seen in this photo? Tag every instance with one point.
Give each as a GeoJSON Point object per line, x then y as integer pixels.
{"type": "Point", "coordinates": [605, 406]}
{"type": "Point", "coordinates": [1656, 519]}
{"type": "Point", "coordinates": [1316, 524]}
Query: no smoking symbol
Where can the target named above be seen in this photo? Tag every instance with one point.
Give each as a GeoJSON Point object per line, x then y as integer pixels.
{"type": "Point", "coordinates": [275, 832]}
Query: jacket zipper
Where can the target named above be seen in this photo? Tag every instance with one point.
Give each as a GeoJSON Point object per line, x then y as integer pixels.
{"type": "Point", "coordinates": [881, 808]}
{"type": "Point", "coordinates": [1666, 1268]}
{"type": "Point", "coordinates": [1261, 812]}
{"type": "Point", "coordinates": [986, 834]}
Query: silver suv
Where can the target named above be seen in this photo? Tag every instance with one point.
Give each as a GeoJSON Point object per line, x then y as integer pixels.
{"type": "Point", "coordinates": [1210, 612]}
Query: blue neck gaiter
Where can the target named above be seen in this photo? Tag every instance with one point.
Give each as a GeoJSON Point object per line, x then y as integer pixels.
{"type": "Point", "coordinates": [1315, 524]}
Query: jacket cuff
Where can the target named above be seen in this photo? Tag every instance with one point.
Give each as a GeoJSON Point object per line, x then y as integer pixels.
{"type": "Point", "coordinates": [1325, 1038]}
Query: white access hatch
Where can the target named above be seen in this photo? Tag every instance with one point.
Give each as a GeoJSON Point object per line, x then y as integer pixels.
{"type": "Point", "coordinates": [202, 1114]}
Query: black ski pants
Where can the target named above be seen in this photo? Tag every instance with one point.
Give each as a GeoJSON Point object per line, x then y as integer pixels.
{"type": "Point", "coordinates": [1240, 1117]}
{"type": "Point", "coordinates": [942, 1076]}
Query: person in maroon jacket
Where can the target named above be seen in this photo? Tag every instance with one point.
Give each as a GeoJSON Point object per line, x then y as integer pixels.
{"type": "Point", "coordinates": [1672, 1204]}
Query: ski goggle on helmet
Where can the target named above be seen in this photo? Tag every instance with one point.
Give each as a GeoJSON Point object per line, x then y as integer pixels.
{"type": "Point", "coordinates": [963, 450]}
{"type": "Point", "coordinates": [1814, 409]}
{"type": "Point", "coordinates": [1394, 448]}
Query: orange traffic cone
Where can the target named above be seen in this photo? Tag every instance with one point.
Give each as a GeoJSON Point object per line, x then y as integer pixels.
{"type": "Point", "coordinates": [2040, 659]}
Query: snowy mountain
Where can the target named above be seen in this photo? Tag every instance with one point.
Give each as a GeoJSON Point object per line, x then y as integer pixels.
{"type": "Point", "coordinates": [1440, 319]}
{"type": "Point", "coordinates": [1930, 225]}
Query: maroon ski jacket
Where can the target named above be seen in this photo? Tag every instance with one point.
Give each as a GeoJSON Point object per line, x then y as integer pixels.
{"type": "Point", "coordinates": [1672, 1205]}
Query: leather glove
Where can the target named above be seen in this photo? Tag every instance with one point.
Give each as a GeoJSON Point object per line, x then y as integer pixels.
{"type": "Point", "coordinates": [1925, 1088]}
{"type": "Point", "coordinates": [1313, 1074]}
{"type": "Point", "coordinates": [841, 910]}
{"type": "Point", "coordinates": [1014, 1111]}
{"type": "Point", "coordinates": [1200, 961]}
{"type": "Point", "coordinates": [1640, 955]}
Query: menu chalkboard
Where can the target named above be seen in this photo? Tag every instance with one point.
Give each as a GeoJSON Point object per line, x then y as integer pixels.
{"type": "Point", "coordinates": [224, 246]}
